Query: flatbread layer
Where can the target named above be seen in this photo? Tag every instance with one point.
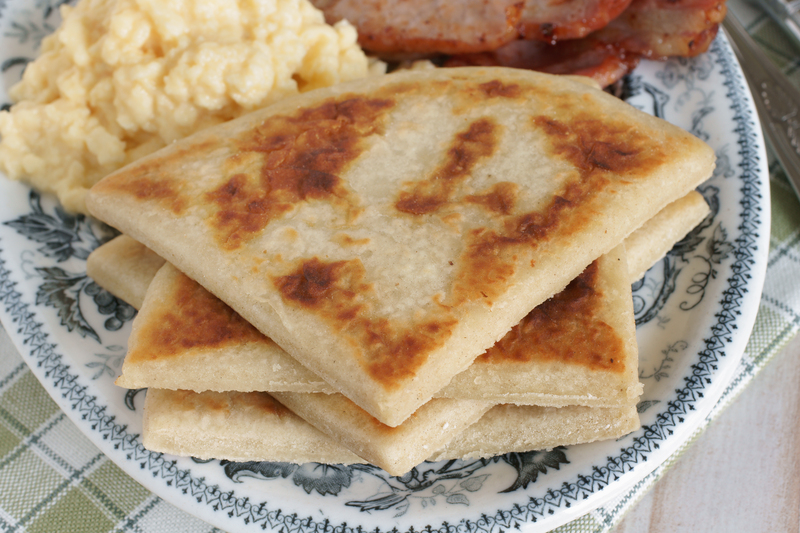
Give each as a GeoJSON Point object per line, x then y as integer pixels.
{"type": "Point", "coordinates": [186, 338]}
{"type": "Point", "coordinates": [648, 244]}
{"type": "Point", "coordinates": [235, 426]}
{"type": "Point", "coordinates": [577, 348]}
{"type": "Point", "coordinates": [387, 232]}
{"type": "Point", "coordinates": [395, 449]}
{"type": "Point", "coordinates": [124, 267]}
{"type": "Point", "coordinates": [555, 356]}
{"type": "Point", "coordinates": [521, 428]}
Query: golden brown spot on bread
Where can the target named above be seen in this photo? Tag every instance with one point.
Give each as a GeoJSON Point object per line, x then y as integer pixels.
{"type": "Point", "coordinates": [488, 263]}
{"type": "Point", "coordinates": [302, 158]}
{"type": "Point", "coordinates": [565, 328]}
{"type": "Point", "coordinates": [597, 150]}
{"type": "Point", "coordinates": [479, 141]}
{"type": "Point", "coordinates": [152, 179]}
{"type": "Point", "coordinates": [243, 210]}
{"type": "Point", "coordinates": [260, 401]}
{"type": "Point", "coordinates": [499, 199]}
{"type": "Point", "coordinates": [497, 88]}
{"type": "Point", "coordinates": [163, 190]}
{"type": "Point", "coordinates": [343, 239]}
{"type": "Point", "coordinates": [337, 293]}
{"type": "Point", "coordinates": [192, 319]}
{"type": "Point", "coordinates": [313, 283]}
{"type": "Point", "coordinates": [226, 402]}
{"type": "Point", "coordinates": [591, 144]}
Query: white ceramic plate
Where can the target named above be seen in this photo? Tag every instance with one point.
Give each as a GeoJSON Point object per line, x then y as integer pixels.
{"type": "Point", "coordinates": [695, 311]}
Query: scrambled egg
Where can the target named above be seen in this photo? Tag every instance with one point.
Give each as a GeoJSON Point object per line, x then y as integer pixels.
{"type": "Point", "coordinates": [122, 78]}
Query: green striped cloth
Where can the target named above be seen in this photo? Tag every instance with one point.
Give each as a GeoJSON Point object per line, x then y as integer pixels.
{"type": "Point", "coordinates": [52, 479]}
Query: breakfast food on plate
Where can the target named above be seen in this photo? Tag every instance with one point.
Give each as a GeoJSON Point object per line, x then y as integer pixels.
{"type": "Point", "coordinates": [520, 428]}
{"type": "Point", "coordinates": [653, 29]}
{"type": "Point", "coordinates": [496, 188]}
{"type": "Point", "coordinates": [579, 347]}
{"type": "Point", "coordinates": [232, 425]}
{"type": "Point", "coordinates": [185, 338]}
{"type": "Point", "coordinates": [125, 268]}
{"type": "Point", "coordinates": [395, 449]}
{"type": "Point", "coordinates": [658, 235]}
{"type": "Point", "coordinates": [604, 39]}
{"type": "Point", "coordinates": [120, 79]}
{"type": "Point", "coordinates": [384, 232]}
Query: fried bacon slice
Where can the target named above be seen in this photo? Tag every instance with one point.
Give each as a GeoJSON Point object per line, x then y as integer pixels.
{"type": "Point", "coordinates": [413, 28]}
{"type": "Point", "coordinates": [587, 57]}
{"type": "Point", "coordinates": [555, 36]}
{"type": "Point", "coordinates": [556, 20]}
{"type": "Point", "coordinates": [401, 28]}
{"type": "Point", "coordinates": [653, 29]}
{"type": "Point", "coordinates": [658, 29]}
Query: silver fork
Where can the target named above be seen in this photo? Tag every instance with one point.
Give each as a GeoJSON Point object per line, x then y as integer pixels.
{"type": "Point", "coordinates": [785, 12]}
{"type": "Point", "coordinates": [776, 99]}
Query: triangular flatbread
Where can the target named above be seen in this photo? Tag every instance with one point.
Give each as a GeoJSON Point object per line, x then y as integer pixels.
{"type": "Point", "coordinates": [648, 244]}
{"type": "Point", "coordinates": [523, 428]}
{"type": "Point", "coordinates": [395, 449]}
{"type": "Point", "coordinates": [233, 426]}
{"type": "Point", "coordinates": [176, 349]}
{"type": "Point", "coordinates": [387, 232]}
{"type": "Point", "coordinates": [577, 348]}
{"type": "Point", "coordinates": [125, 268]}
